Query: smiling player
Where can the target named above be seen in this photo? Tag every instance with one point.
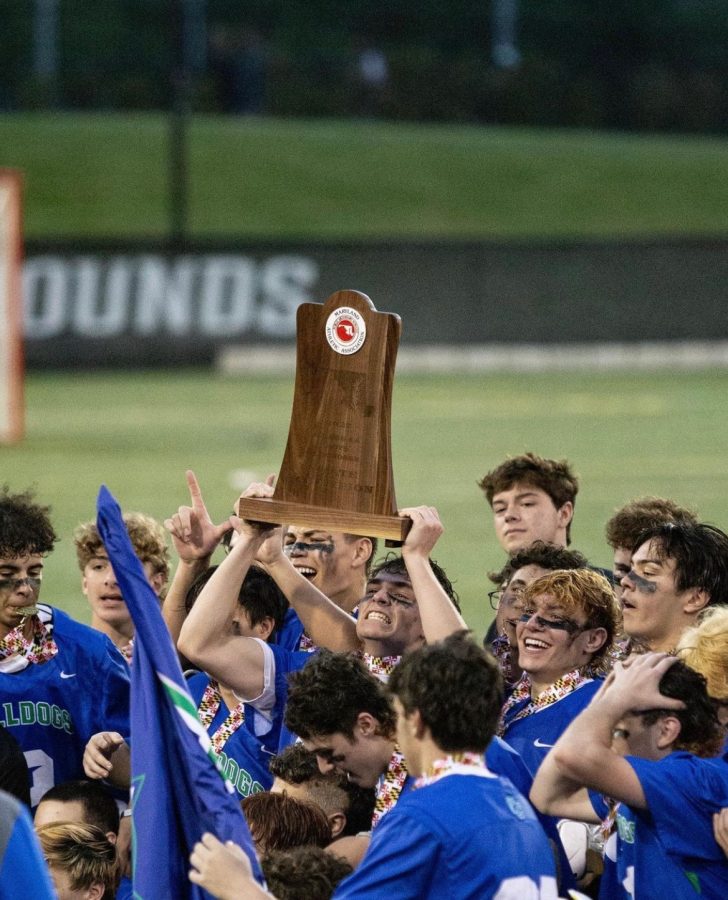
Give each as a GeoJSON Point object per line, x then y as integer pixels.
{"type": "Point", "coordinates": [567, 625]}
{"type": "Point", "coordinates": [334, 562]}
{"type": "Point", "coordinates": [408, 599]}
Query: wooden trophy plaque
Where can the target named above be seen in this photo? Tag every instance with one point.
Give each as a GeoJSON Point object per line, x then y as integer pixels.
{"type": "Point", "coordinates": [337, 468]}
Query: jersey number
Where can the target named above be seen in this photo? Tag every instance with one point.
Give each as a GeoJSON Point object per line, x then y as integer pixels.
{"type": "Point", "coordinates": [41, 767]}
{"type": "Point", "coordinates": [524, 888]}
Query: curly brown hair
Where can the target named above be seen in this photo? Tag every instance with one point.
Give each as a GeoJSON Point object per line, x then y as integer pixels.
{"type": "Point", "coordinates": [25, 526]}
{"type": "Point", "coordinates": [541, 554]}
{"type": "Point", "coordinates": [147, 536]}
{"type": "Point", "coordinates": [637, 516]}
{"type": "Point", "coordinates": [327, 695]}
{"type": "Point", "coordinates": [304, 873]}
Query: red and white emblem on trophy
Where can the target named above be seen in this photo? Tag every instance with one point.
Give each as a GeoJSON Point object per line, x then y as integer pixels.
{"type": "Point", "coordinates": [346, 330]}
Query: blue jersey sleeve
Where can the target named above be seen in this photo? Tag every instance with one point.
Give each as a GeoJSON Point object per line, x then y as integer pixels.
{"type": "Point", "coordinates": [286, 661]}
{"type": "Point", "coordinates": [599, 804]}
{"type": "Point", "coordinates": [684, 788]}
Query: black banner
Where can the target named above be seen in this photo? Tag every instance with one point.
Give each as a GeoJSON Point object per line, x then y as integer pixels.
{"type": "Point", "coordinates": [136, 304]}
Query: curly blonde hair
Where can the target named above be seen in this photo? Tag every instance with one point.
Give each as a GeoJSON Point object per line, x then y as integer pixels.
{"type": "Point", "coordinates": [147, 536]}
{"type": "Point", "coordinates": [582, 590]}
{"type": "Point", "coordinates": [704, 647]}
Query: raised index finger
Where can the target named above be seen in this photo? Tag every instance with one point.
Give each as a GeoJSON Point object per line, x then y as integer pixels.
{"type": "Point", "coordinates": [195, 492]}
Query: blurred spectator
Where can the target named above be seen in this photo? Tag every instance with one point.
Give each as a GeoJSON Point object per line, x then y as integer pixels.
{"type": "Point", "coordinates": [237, 61]}
{"type": "Point", "coordinates": [371, 79]}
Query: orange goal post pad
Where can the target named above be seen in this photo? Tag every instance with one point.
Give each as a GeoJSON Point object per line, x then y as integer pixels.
{"type": "Point", "coordinates": [11, 308]}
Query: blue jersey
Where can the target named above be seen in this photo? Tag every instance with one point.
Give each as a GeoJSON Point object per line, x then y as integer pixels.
{"type": "Point", "coordinates": [668, 850]}
{"type": "Point", "coordinates": [289, 635]}
{"type": "Point", "coordinates": [53, 708]}
{"type": "Point", "coordinates": [243, 757]}
{"type": "Point", "coordinates": [465, 836]}
{"type": "Point", "coordinates": [286, 661]}
{"type": "Point", "coordinates": [503, 760]}
{"type": "Point", "coordinates": [533, 736]}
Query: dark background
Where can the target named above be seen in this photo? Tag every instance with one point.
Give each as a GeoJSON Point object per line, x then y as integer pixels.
{"type": "Point", "coordinates": [627, 64]}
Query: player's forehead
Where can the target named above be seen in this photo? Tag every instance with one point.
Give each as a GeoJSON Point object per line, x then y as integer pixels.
{"type": "Point", "coordinates": [526, 575]}
{"type": "Point", "coordinates": [520, 490]}
{"type": "Point", "coordinates": [23, 561]}
{"type": "Point", "coordinates": [99, 555]}
{"type": "Point", "coordinates": [547, 603]}
{"type": "Point", "coordinates": [313, 535]}
{"type": "Point", "coordinates": [652, 553]}
{"type": "Point", "coordinates": [300, 791]}
{"type": "Point", "coordinates": [393, 580]}
{"type": "Point", "coordinates": [325, 744]}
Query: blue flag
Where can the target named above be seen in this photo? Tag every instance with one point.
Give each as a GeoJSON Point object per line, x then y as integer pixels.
{"type": "Point", "coordinates": [177, 791]}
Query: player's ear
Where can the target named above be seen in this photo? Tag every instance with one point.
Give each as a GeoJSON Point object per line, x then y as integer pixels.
{"type": "Point", "coordinates": [566, 513]}
{"type": "Point", "coordinates": [158, 581]}
{"type": "Point", "coordinates": [362, 552]}
{"type": "Point", "coordinates": [265, 627]}
{"type": "Point", "coordinates": [367, 725]}
{"type": "Point", "coordinates": [417, 724]}
{"type": "Point", "coordinates": [337, 822]}
{"type": "Point", "coordinates": [698, 599]}
{"type": "Point", "coordinates": [669, 732]}
{"type": "Point", "coordinates": [595, 638]}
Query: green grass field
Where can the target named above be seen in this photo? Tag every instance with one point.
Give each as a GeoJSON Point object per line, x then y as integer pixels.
{"type": "Point", "coordinates": [627, 435]}
{"type": "Point", "coordinates": [92, 175]}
